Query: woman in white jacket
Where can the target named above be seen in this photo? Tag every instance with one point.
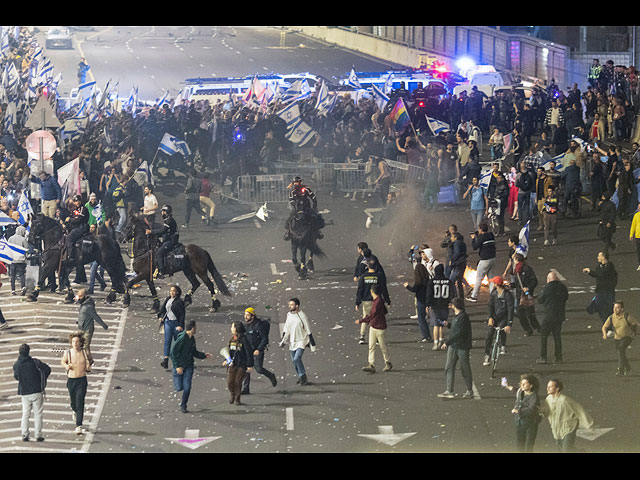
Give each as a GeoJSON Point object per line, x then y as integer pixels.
{"type": "Point", "coordinates": [297, 333]}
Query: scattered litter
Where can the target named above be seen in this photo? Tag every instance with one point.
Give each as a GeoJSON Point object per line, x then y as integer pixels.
{"type": "Point", "coordinates": [233, 251]}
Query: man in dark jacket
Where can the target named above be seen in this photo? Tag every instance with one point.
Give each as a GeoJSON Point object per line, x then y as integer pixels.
{"type": "Point", "coordinates": [182, 354]}
{"type": "Point", "coordinates": [77, 224]}
{"type": "Point", "coordinates": [525, 183]}
{"type": "Point", "coordinates": [50, 193]}
{"type": "Point", "coordinates": [439, 293]}
{"type": "Point", "coordinates": [572, 185]}
{"type": "Point", "coordinates": [373, 276]}
{"type": "Point", "coordinates": [87, 316]}
{"type": "Point", "coordinates": [607, 226]}
{"type": "Point", "coordinates": [606, 281]}
{"type": "Point", "coordinates": [458, 345]}
{"type": "Point", "coordinates": [554, 297]}
{"type": "Point", "coordinates": [168, 233]}
{"type": "Point", "coordinates": [500, 315]}
{"type": "Point", "coordinates": [31, 375]}
{"type": "Point", "coordinates": [257, 333]}
{"type": "Point", "coordinates": [484, 241]}
{"type": "Point", "coordinates": [456, 258]}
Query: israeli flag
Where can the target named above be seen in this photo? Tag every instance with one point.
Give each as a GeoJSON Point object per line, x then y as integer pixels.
{"type": "Point", "coordinates": [297, 91]}
{"type": "Point", "coordinates": [353, 79]}
{"type": "Point", "coordinates": [6, 220]}
{"type": "Point", "coordinates": [388, 84]}
{"type": "Point", "coordinates": [86, 90]}
{"type": "Point", "coordinates": [379, 96]}
{"type": "Point", "coordinates": [10, 252]}
{"type": "Point", "coordinates": [172, 145]}
{"type": "Point", "coordinates": [559, 159]}
{"type": "Point", "coordinates": [145, 173]}
{"type": "Point", "coordinates": [485, 176]}
{"type": "Point", "coordinates": [580, 142]}
{"type": "Point", "coordinates": [523, 238]}
{"type": "Point", "coordinates": [164, 99]}
{"type": "Point", "coordinates": [290, 114]}
{"type": "Point", "coordinates": [300, 134]}
{"type": "Point", "coordinates": [437, 126]}
{"type": "Point", "coordinates": [24, 208]}
{"type": "Point", "coordinates": [97, 212]}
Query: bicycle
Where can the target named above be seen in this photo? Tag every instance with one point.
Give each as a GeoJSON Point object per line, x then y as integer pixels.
{"type": "Point", "coordinates": [495, 350]}
{"type": "Point", "coordinates": [493, 212]}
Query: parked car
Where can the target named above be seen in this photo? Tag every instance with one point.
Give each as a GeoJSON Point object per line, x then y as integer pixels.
{"type": "Point", "coordinates": [59, 37]}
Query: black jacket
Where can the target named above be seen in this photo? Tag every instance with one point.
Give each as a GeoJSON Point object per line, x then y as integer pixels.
{"type": "Point", "coordinates": [240, 352]}
{"type": "Point", "coordinates": [608, 212]}
{"type": "Point", "coordinates": [554, 297]}
{"type": "Point", "coordinates": [420, 290]}
{"type": "Point", "coordinates": [528, 279]}
{"type": "Point", "coordinates": [606, 277]}
{"type": "Point", "coordinates": [485, 243]}
{"type": "Point", "coordinates": [501, 308]}
{"type": "Point", "coordinates": [168, 231]}
{"type": "Point", "coordinates": [177, 307]}
{"type": "Point", "coordinates": [256, 334]}
{"type": "Point", "coordinates": [368, 280]}
{"type": "Point", "coordinates": [460, 335]}
{"type": "Point", "coordinates": [30, 379]}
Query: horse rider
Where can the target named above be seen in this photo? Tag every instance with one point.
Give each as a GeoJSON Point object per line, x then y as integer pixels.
{"type": "Point", "coordinates": [76, 224]}
{"type": "Point", "coordinates": [302, 194]}
{"type": "Point", "coordinates": [168, 233]}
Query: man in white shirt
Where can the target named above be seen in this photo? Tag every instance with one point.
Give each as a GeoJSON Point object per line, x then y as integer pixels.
{"type": "Point", "coordinates": [150, 204]}
{"type": "Point", "coordinates": [297, 334]}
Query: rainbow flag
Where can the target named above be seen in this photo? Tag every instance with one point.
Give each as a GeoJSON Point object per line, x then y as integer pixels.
{"type": "Point", "coordinates": [400, 116]}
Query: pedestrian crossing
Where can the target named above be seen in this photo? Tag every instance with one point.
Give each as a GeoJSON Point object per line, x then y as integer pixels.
{"type": "Point", "coordinates": [45, 325]}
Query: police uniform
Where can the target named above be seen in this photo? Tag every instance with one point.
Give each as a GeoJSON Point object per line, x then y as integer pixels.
{"type": "Point", "coordinates": [78, 226]}
{"type": "Point", "coordinates": [168, 233]}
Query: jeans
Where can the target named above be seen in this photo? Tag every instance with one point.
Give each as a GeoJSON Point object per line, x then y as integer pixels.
{"type": "Point", "coordinates": [258, 366]}
{"type": "Point", "coordinates": [296, 358]}
{"type": "Point", "coordinates": [456, 275]}
{"type": "Point", "coordinates": [567, 444]}
{"type": "Point", "coordinates": [195, 205]}
{"type": "Point", "coordinates": [170, 334]}
{"type": "Point", "coordinates": [476, 218]}
{"type": "Point", "coordinates": [77, 392]}
{"type": "Point", "coordinates": [96, 273]}
{"type": "Point", "coordinates": [524, 207]}
{"type": "Point", "coordinates": [182, 383]}
{"type": "Point", "coordinates": [554, 330]}
{"type": "Point", "coordinates": [453, 355]}
{"type": "Point", "coordinates": [17, 270]}
{"type": "Point", "coordinates": [485, 267]}
{"type": "Point", "coordinates": [422, 320]}
{"type": "Point", "coordinates": [35, 402]}
{"type": "Point", "coordinates": [491, 331]}
{"type": "Point", "coordinates": [122, 219]}
{"type": "Point", "coordinates": [621, 349]}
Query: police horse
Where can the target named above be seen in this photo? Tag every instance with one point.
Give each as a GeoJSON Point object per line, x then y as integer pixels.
{"type": "Point", "coordinates": [102, 248]}
{"type": "Point", "coordinates": [191, 260]}
{"type": "Point", "coordinates": [301, 229]}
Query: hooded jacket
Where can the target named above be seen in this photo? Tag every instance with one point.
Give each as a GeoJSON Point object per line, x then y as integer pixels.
{"type": "Point", "coordinates": [87, 316]}
{"type": "Point", "coordinates": [19, 238]}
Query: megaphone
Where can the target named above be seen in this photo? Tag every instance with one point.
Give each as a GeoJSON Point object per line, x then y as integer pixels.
{"type": "Point", "coordinates": [225, 353]}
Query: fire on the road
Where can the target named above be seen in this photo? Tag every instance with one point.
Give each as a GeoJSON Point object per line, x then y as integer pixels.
{"type": "Point", "coordinates": [470, 276]}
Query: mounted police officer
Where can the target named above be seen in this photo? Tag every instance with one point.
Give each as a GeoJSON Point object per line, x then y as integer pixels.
{"type": "Point", "coordinates": [257, 333]}
{"type": "Point", "coordinates": [303, 199]}
{"type": "Point", "coordinates": [168, 233]}
{"type": "Point", "coordinates": [77, 225]}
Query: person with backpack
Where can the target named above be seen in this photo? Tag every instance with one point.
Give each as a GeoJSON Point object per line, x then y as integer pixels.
{"type": "Point", "coordinates": [32, 375]}
{"type": "Point", "coordinates": [257, 334]}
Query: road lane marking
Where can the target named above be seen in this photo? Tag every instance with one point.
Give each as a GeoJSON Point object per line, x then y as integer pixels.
{"type": "Point", "coordinates": [289, 418]}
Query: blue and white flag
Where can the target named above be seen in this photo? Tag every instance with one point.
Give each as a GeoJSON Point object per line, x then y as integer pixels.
{"type": "Point", "coordinates": [297, 91]}
{"type": "Point", "coordinates": [380, 97]}
{"type": "Point", "coordinates": [353, 79]}
{"type": "Point", "coordinates": [485, 176]}
{"type": "Point", "coordinates": [6, 220]}
{"type": "Point", "coordinates": [10, 252]}
{"type": "Point", "coordinates": [172, 145]}
{"type": "Point", "coordinates": [164, 99]}
{"type": "Point", "coordinates": [560, 163]}
{"type": "Point", "coordinates": [388, 84]}
{"type": "Point", "coordinates": [144, 173]}
{"type": "Point", "coordinates": [96, 211]}
{"type": "Point", "coordinates": [437, 126]}
{"type": "Point", "coordinates": [523, 238]}
{"type": "Point", "coordinates": [300, 134]}
{"type": "Point", "coordinates": [290, 114]}
{"type": "Point", "coordinates": [24, 208]}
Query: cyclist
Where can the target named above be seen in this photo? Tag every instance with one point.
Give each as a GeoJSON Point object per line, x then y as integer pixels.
{"type": "Point", "coordinates": [500, 315]}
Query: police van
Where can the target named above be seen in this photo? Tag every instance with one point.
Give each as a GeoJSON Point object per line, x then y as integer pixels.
{"type": "Point", "coordinates": [222, 89]}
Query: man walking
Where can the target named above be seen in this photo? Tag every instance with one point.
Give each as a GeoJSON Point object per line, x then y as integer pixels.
{"type": "Point", "coordinates": [485, 243]}
{"type": "Point", "coordinates": [607, 226]}
{"type": "Point", "coordinates": [87, 316]}
{"type": "Point", "coordinates": [182, 354]}
{"type": "Point", "coordinates": [373, 276]}
{"type": "Point", "coordinates": [192, 191]}
{"type": "Point", "coordinates": [554, 297]}
{"type": "Point", "coordinates": [31, 375]}
{"type": "Point", "coordinates": [624, 326]}
{"type": "Point", "coordinates": [377, 331]}
{"type": "Point", "coordinates": [257, 333]}
{"type": "Point", "coordinates": [458, 345]}
{"type": "Point", "coordinates": [297, 333]}
{"type": "Point", "coordinates": [565, 415]}
{"type": "Point", "coordinates": [606, 282]}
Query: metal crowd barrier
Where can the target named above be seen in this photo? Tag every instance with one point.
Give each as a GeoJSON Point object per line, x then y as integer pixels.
{"type": "Point", "coordinates": [262, 188]}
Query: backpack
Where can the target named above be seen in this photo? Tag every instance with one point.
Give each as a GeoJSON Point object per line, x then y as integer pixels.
{"type": "Point", "coordinates": [267, 324]}
{"type": "Point", "coordinates": [43, 375]}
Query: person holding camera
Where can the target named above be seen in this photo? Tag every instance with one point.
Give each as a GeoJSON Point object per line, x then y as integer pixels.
{"type": "Point", "coordinates": [456, 258]}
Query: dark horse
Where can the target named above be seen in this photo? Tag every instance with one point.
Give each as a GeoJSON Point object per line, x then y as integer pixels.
{"type": "Point", "coordinates": [101, 248]}
{"type": "Point", "coordinates": [197, 262]}
{"type": "Point", "coordinates": [302, 229]}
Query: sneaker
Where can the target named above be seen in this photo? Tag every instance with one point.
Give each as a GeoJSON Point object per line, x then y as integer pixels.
{"type": "Point", "coordinates": [619, 372]}
{"type": "Point", "coordinates": [471, 299]}
{"type": "Point", "coordinates": [503, 351]}
{"type": "Point", "coordinates": [413, 317]}
{"type": "Point", "coordinates": [40, 439]}
{"type": "Point", "coordinates": [627, 372]}
{"type": "Point", "coordinates": [183, 409]}
{"type": "Point", "coordinates": [468, 394]}
{"type": "Point", "coordinates": [23, 292]}
{"type": "Point", "coordinates": [25, 438]}
{"type": "Point", "coordinates": [486, 361]}
{"type": "Point", "coordinates": [369, 369]}
{"type": "Point", "coordinates": [362, 340]}
{"type": "Point", "coordinates": [79, 430]}
{"type": "Point", "coordinates": [436, 346]}
{"type": "Point", "coordinates": [546, 243]}
{"type": "Point", "coordinates": [555, 242]}
{"type": "Point", "coordinates": [446, 394]}
{"type": "Point", "coordinates": [165, 363]}
{"type": "Point", "coordinates": [541, 361]}
{"type": "Point", "coordinates": [387, 367]}
{"type": "Point", "coordinates": [184, 226]}
{"type": "Point", "coordinates": [424, 340]}
{"type": "Point", "coordinates": [13, 292]}
{"type": "Point", "coordinates": [638, 269]}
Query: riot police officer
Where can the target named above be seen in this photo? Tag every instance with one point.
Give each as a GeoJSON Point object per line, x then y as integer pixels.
{"type": "Point", "coordinates": [168, 233]}
{"type": "Point", "coordinates": [77, 225]}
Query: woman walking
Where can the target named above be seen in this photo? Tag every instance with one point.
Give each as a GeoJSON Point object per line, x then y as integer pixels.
{"type": "Point", "coordinates": [76, 363]}
{"type": "Point", "coordinates": [172, 318]}
{"type": "Point", "coordinates": [526, 411]}
{"type": "Point", "coordinates": [239, 362]}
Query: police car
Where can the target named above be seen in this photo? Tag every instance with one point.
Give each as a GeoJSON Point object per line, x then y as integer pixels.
{"type": "Point", "coordinates": [222, 89]}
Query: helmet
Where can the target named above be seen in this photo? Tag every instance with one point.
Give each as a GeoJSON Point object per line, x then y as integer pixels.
{"type": "Point", "coordinates": [250, 310]}
{"type": "Point", "coordinates": [297, 179]}
{"type": "Point", "coordinates": [167, 208]}
{"type": "Point", "coordinates": [77, 198]}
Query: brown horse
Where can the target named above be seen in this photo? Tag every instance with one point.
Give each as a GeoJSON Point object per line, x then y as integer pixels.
{"type": "Point", "coordinates": [197, 263]}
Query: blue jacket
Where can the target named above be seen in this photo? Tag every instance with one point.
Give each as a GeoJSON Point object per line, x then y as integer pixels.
{"type": "Point", "coordinates": [49, 188]}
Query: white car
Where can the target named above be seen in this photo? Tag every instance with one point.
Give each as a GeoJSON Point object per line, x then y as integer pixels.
{"type": "Point", "coordinates": [59, 37]}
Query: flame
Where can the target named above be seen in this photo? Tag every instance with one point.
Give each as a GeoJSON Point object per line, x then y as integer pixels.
{"type": "Point", "coordinates": [470, 276]}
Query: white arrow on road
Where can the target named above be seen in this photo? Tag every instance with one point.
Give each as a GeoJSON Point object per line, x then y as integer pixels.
{"type": "Point", "coordinates": [192, 439]}
{"type": "Point", "coordinates": [387, 436]}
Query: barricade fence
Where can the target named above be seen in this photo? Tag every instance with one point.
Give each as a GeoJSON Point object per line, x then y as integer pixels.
{"type": "Point", "coordinates": [321, 176]}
